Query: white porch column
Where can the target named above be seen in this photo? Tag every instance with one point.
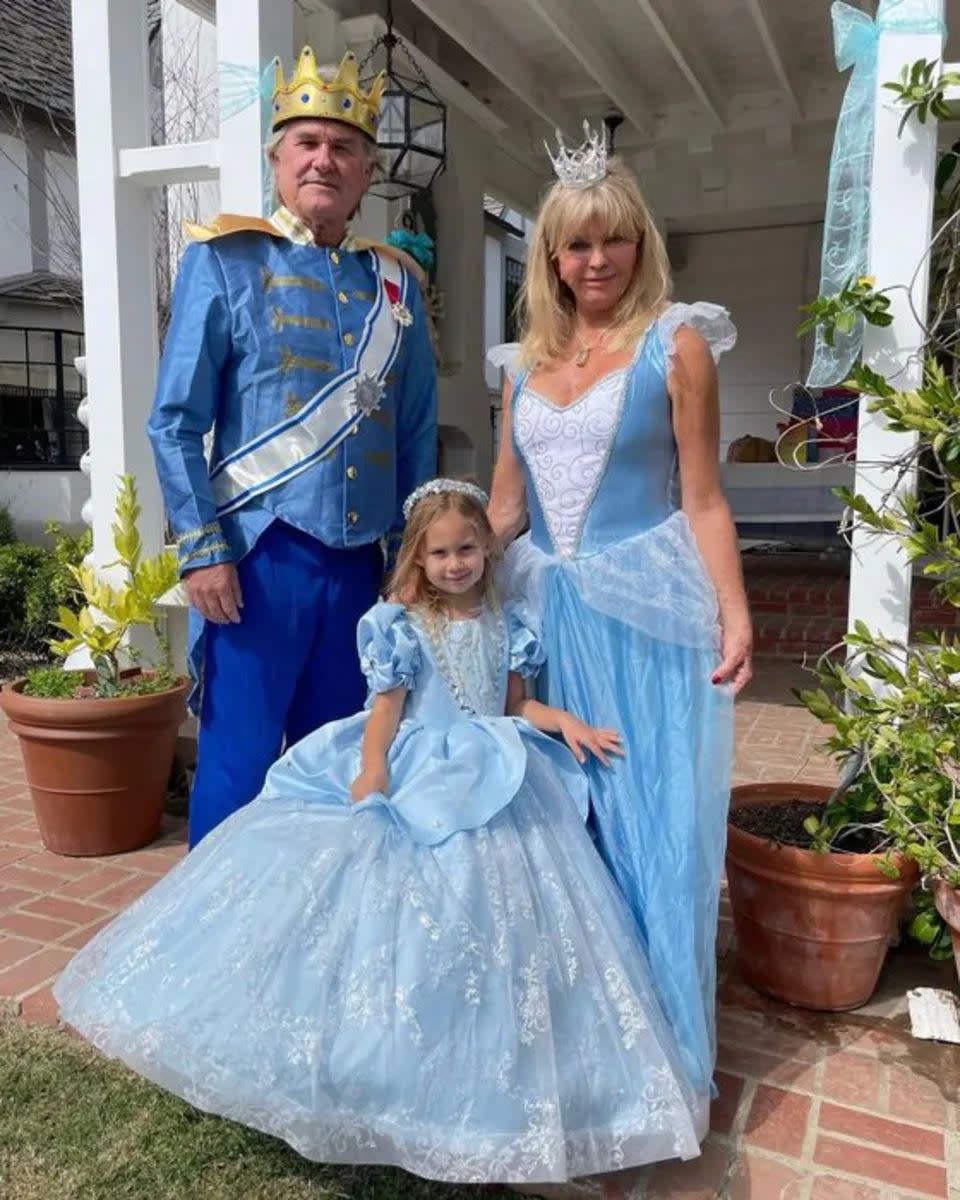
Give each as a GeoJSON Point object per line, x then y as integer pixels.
{"type": "Point", "coordinates": [901, 197]}
{"type": "Point", "coordinates": [464, 400]}
{"type": "Point", "coordinates": [249, 34]}
{"type": "Point", "coordinates": [111, 85]}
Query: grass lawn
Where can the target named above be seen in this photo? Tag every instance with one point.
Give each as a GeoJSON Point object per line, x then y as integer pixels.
{"type": "Point", "coordinates": [74, 1126]}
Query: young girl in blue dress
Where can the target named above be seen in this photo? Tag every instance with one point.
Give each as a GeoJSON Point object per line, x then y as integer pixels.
{"type": "Point", "coordinates": [406, 950]}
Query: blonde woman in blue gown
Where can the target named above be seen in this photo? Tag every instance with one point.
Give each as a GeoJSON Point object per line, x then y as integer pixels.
{"type": "Point", "coordinates": [610, 449]}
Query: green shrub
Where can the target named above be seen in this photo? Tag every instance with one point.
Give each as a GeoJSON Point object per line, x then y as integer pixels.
{"type": "Point", "coordinates": [35, 582]}
{"type": "Point", "coordinates": [20, 565]}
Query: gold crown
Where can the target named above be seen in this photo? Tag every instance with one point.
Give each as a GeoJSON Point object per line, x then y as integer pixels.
{"type": "Point", "coordinates": [307, 95]}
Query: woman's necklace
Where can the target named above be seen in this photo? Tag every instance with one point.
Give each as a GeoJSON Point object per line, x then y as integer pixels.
{"type": "Point", "coordinates": [582, 355]}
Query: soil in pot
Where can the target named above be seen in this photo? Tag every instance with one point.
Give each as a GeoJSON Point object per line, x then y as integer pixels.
{"type": "Point", "coordinates": [783, 821]}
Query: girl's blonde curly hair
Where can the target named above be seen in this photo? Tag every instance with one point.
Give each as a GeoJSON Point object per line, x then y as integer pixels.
{"type": "Point", "coordinates": [409, 581]}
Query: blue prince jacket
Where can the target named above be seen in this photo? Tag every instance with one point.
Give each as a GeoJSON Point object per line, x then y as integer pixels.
{"type": "Point", "coordinates": [259, 325]}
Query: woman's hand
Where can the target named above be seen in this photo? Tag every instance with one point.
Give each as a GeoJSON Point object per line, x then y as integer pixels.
{"type": "Point", "coordinates": [736, 665]}
{"type": "Point", "coordinates": [370, 780]}
{"type": "Point", "coordinates": [583, 738]}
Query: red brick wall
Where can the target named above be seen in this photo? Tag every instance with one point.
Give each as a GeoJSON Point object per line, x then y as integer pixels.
{"type": "Point", "coordinates": [799, 604]}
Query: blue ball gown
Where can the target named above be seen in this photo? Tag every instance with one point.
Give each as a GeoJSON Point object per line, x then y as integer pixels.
{"type": "Point", "coordinates": [629, 620]}
{"type": "Point", "coordinates": [444, 978]}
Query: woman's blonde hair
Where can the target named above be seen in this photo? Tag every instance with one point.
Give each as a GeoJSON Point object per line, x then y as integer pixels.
{"type": "Point", "coordinates": [409, 580]}
{"type": "Point", "coordinates": [548, 309]}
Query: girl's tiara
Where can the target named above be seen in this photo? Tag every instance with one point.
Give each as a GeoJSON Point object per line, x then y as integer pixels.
{"type": "Point", "coordinates": [437, 487]}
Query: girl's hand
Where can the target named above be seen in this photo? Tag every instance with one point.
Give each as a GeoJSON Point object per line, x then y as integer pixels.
{"type": "Point", "coordinates": [370, 780]}
{"type": "Point", "coordinates": [736, 664]}
{"type": "Point", "coordinates": [581, 738]}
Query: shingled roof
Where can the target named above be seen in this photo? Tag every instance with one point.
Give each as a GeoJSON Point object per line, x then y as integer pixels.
{"type": "Point", "coordinates": [41, 287]}
{"type": "Point", "coordinates": [35, 53]}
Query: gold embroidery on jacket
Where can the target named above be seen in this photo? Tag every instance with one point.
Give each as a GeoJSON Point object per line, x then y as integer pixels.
{"type": "Point", "coordinates": [193, 535]}
{"type": "Point", "coordinates": [290, 281]}
{"type": "Point", "coordinates": [202, 551]}
{"type": "Point", "coordinates": [290, 362]}
{"type": "Point", "coordinates": [281, 318]}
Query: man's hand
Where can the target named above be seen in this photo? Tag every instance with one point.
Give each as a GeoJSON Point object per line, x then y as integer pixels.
{"type": "Point", "coordinates": [215, 593]}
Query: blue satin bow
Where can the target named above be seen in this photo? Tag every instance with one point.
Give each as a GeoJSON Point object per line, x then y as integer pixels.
{"type": "Point", "coordinates": [846, 229]}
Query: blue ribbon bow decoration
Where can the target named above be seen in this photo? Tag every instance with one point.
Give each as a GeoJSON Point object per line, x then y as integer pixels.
{"type": "Point", "coordinates": [846, 230]}
{"type": "Point", "coordinates": [240, 86]}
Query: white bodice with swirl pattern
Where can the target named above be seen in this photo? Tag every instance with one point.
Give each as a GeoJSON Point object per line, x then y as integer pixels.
{"type": "Point", "coordinates": [566, 450]}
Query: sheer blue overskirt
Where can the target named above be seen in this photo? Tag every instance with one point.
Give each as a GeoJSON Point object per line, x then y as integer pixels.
{"type": "Point", "coordinates": [646, 610]}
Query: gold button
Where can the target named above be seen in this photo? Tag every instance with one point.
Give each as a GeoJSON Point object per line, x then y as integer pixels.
{"type": "Point", "coordinates": [353, 517]}
{"type": "Point", "coordinates": [342, 297]}
{"type": "Point", "coordinates": [335, 258]}
{"type": "Point", "coordinates": [348, 339]}
{"type": "Point", "coordinates": [351, 472]}
{"type": "Point", "coordinates": [355, 430]}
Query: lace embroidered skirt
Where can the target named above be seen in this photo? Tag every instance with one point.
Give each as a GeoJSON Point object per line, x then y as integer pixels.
{"type": "Point", "coordinates": [477, 1010]}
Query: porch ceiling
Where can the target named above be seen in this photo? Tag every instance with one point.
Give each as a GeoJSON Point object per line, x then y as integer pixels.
{"type": "Point", "coordinates": [676, 69]}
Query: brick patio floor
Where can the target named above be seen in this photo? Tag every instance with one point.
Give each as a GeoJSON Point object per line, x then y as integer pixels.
{"type": "Point", "coordinates": [811, 1107]}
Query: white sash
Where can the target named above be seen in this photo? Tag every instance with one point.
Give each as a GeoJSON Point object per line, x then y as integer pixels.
{"type": "Point", "coordinates": [297, 443]}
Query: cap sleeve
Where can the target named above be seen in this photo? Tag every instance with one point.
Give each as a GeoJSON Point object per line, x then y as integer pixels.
{"type": "Point", "coordinates": [388, 647]}
{"type": "Point", "coordinates": [507, 356]}
{"type": "Point", "coordinates": [526, 654]}
{"type": "Point", "coordinates": [711, 321]}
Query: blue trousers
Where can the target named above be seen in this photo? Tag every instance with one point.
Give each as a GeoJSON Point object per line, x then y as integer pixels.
{"type": "Point", "coordinates": [287, 668]}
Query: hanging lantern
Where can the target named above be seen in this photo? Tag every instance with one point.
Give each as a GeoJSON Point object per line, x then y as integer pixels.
{"type": "Point", "coordinates": [412, 130]}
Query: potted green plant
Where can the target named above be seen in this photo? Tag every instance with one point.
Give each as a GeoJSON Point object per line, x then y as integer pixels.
{"type": "Point", "coordinates": [98, 744]}
{"type": "Point", "coordinates": [817, 892]}
{"type": "Point", "coordinates": [900, 704]}
{"type": "Point", "coordinates": [895, 707]}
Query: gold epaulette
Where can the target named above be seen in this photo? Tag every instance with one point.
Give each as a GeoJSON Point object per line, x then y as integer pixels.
{"type": "Point", "coordinates": [227, 223]}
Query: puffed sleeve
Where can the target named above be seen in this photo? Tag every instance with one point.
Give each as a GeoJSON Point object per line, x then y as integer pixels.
{"type": "Point", "coordinates": [506, 357]}
{"type": "Point", "coordinates": [388, 647]}
{"type": "Point", "coordinates": [711, 321]}
{"type": "Point", "coordinates": [526, 654]}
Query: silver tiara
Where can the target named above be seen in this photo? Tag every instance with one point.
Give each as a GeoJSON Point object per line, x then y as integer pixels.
{"type": "Point", "coordinates": [437, 487]}
{"type": "Point", "coordinates": [584, 166]}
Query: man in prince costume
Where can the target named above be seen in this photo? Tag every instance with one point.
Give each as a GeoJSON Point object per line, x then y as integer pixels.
{"type": "Point", "coordinates": [308, 355]}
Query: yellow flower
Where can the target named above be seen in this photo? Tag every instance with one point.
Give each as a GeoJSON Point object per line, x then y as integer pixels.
{"type": "Point", "coordinates": [866, 281]}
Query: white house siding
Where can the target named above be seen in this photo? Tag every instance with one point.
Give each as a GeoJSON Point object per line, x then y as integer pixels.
{"type": "Point", "coordinates": [761, 276]}
{"type": "Point", "coordinates": [15, 249]}
{"type": "Point", "coordinates": [63, 252]}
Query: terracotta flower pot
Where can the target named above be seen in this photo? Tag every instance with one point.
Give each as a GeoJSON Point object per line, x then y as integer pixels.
{"type": "Point", "coordinates": [812, 929]}
{"type": "Point", "coordinates": [97, 769]}
{"type": "Point", "coordinates": [947, 900]}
